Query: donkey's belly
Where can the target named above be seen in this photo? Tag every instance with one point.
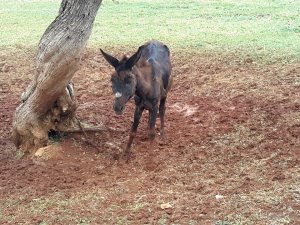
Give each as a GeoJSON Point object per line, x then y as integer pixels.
{"type": "Point", "coordinates": [144, 103]}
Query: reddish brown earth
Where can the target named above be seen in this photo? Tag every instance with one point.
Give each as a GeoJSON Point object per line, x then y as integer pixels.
{"type": "Point", "coordinates": [231, 154]}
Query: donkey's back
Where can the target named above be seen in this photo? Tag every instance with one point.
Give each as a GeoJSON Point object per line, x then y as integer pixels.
{"type": "Point", "coordinates": [156, 51]}
{"type": "Point", "coordinates": [158, 56]}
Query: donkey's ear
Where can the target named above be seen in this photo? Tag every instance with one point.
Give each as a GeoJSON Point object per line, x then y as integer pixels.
{"type": "Point", "coordinates": [134, 58]}
{"type": "Point", "coordinates": [110, 59]}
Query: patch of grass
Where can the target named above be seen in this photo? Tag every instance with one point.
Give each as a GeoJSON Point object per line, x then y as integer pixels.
{"type": "Point", "coordinates": [83, 221]}
{"type": "Point", "coordinates": [19, 154]}
{"type": "Point", "coordinates": [43, 223]}
{"type": "Point", "coordinates": [82, 207]}
{"type": "Point", "coordinates": [23, 22]}
{"type": "Point", "coordinates": [234, 140]}
{"type": "Point", "coordinates": [258, 30]}
{"type": "Point", "coordinates": [163, 220]}
{"type": "Point", "coordinates": [59, 208]}
{"type": "Point", "coordinates": [220, 222]}
{"type": "Point", "coordinates": [122, 221]}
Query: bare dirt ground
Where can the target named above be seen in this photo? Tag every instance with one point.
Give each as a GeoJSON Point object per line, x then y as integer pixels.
{"type": "Point", "coordinates": [231, 155]}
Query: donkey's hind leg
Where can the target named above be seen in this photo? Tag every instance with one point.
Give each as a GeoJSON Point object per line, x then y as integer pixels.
{"type": "Point", "coordinates": [152, 121]}
{"type": "Point", "coordinates": [162, 110]}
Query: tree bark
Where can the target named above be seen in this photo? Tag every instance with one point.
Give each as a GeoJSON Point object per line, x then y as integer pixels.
{"type": "Point", "coordinates": [49, 102]}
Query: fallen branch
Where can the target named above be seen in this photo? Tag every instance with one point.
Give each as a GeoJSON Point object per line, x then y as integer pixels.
{"type": "Point", "coordinates": [89, 128]}
{"type": "Point", "coordinates": [85, 129]}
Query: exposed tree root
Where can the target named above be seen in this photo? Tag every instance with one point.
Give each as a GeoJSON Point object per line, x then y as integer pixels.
{"type": "Point", "coordinates": [89, 128]}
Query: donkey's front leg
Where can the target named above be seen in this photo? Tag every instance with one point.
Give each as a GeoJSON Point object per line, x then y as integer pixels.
{"type": "Point", "coordinates": [137, 116]}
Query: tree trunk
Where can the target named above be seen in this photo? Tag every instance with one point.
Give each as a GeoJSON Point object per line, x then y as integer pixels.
{"type": "Point", "coordinates": [49, 102]}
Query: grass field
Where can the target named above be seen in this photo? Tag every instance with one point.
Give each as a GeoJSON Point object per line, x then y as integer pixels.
{"type": "Point", "coordinates": [263, 30]}
{"type": "Point", "coordinates": [232, 123]}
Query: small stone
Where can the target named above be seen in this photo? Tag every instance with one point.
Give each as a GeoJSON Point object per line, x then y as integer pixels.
{"type": "Point", "coordinates": [219, 197]}
{"type": "Point", "coordinates": [166, 206]}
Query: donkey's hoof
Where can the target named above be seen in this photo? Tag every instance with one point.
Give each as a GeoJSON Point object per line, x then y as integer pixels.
{"type": "Point", "coordinates": [162, 141]}
{"type": "Point", "coordinates": [151, 135]}
{"type": "Point", "coordinates": [162, 136]}
{"type": "Point", "coordinates": [127, 156]}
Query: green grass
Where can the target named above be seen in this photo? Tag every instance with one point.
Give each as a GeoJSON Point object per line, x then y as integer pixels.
{"type": "Point", "coordinates": [250, 28]}
{"type": "Point", "coordinates": [23, 22]}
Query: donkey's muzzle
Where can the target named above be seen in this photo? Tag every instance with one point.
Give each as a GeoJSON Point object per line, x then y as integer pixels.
{"type": "Point", "coordinates": [119, 109]}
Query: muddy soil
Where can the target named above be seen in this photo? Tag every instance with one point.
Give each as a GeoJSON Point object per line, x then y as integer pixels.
{"type": "Point", "coordinates": [231, 154]}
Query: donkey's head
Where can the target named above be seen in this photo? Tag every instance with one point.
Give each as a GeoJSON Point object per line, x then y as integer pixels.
{"type": "Point", "coordinates": [123, 79]}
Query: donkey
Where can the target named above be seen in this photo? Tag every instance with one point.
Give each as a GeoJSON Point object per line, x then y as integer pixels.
{"type": "Point", "coordinates": [146, 75]}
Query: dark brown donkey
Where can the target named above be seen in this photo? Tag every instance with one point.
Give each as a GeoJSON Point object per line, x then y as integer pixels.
{"type": "Point", "coordinates": [146, 75]}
